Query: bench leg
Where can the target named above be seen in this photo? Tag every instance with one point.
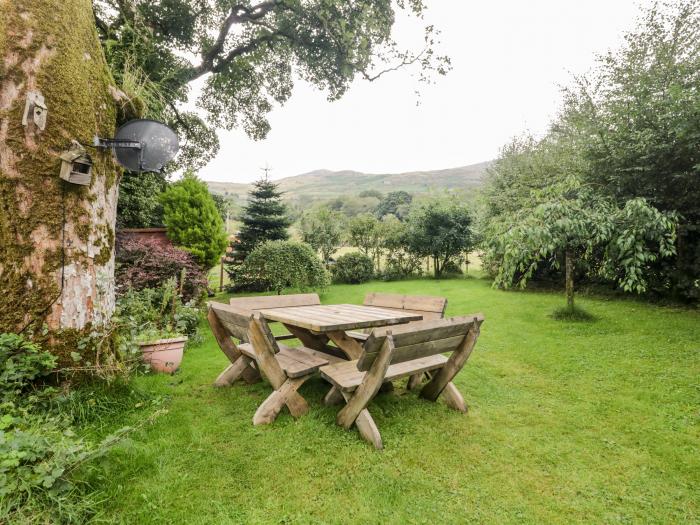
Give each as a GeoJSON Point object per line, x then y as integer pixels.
{"type": "Point", "coordinates": [368, 429]}
{"type": "Point", "coordinates": [443, 376]}
{"type": "Point", "coordinates": [250, 374]}
{"type": "Point", "coordinates": [453, 398]}
{"type": "Point", "coordinates": [333, 397]}
{"type": "Point", "coordinates": [286, 394]}
{"type": "Point", "coordinates": [414, 381]}
{"type": "Point", "coordinates": [366, 426]}
{"type": "Point", "coordinates": [233, 371]}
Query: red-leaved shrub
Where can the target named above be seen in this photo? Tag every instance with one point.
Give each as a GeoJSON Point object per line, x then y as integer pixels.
{"type": "Point", "coordinates": [143, 263]}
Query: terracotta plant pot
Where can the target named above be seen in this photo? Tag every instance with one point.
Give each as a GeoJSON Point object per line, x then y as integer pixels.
{"type": "Point", "coordinates": [164, 355]}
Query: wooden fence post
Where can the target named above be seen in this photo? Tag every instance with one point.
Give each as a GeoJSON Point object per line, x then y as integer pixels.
{"type": "Point", "coordinates": [221, 275]}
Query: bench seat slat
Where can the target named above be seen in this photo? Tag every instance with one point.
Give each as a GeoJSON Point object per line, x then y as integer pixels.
{"type": "Point", "coordinates": [296, 362]}
{"type": "Point", "coordinates": [347, 377]}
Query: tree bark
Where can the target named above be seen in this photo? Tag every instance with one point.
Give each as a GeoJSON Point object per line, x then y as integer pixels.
{"type": "Point", "coordinates": [56, 238]}
{"type": "Point", "coordinates": [569, 278]}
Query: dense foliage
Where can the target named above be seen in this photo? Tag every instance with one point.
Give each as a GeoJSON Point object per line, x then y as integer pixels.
{"type": "Point", "coordinates": [39, 450]}
{"type": "Point", "coordinates": [157, 313]}
{"type": "Point", "coordinates": [248, 55]}
{"type": "Point", "coordinates": [192, 220]}
{"type": "Point", "coordinates": [619, 167]}
{"type": "Point", "coordinates": [145, 264]}
{"type": "Point", "coordinates": [400, 261]}
{"type": "Point", "coordinates": [353, 268]}
{"type": "Point", "coordinates": [365, 232]}
{"type": "Point", "coordinates": [440, 229]}
{"type": "Point", "coordinates": [264, 218]}
{"type": "Point", "coordinates": [139, 203]}
{"type": "Point", "coordinates": [617, 244]}
{"type": "Point", "coordinates": [636, 121]}
{"type": "Point", "coordinates": [395, 203]}
{"type": "Point", "coordinates": [276, 265]}
{"type": "Point", "coordinates": [322, 229]}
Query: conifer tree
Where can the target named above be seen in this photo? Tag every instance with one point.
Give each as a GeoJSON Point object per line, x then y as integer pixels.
{"type": "Point", "coordinates": [264, 219]}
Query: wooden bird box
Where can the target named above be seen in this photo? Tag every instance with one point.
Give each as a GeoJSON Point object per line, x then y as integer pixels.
{"type": "Point", "coordinates": [76, 166]}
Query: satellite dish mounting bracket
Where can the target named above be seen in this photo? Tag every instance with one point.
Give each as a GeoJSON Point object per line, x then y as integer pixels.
{"type": "Point", "coordinates": [116, 143]}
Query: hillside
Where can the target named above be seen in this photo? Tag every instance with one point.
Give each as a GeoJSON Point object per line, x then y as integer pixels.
{"type": "Point", "coordinates": [326, 184]}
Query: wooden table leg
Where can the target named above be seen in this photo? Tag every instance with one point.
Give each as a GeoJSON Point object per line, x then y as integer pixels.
{"type": "Point", "coordinates": [347, 344]}
{"type": "Point", "coordinates": [315, 341]}
{"type": "Point", "coordinates": [308, 338]}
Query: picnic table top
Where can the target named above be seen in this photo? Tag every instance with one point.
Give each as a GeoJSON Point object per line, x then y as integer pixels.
{"type": "Point", "coordinates": [338, 317]}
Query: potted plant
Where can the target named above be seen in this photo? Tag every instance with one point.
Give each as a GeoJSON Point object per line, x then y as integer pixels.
{"type": "Point", "coordinates": [163, 325]}
{"type": "Point", "coordinates": [162, 349]}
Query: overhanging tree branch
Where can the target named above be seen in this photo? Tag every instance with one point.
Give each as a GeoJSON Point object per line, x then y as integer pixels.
{"type": "Point", "coordinates": [239, 13]}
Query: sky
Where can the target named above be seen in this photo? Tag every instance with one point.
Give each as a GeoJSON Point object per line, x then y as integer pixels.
{"type": "Point", "coordinates": [510, 59]}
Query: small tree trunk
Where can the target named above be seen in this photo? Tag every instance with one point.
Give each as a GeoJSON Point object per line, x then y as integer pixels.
{"type": "Point", "coordinates": [436, 267]}
{"type": "Point", "coordinates": [569, 265]}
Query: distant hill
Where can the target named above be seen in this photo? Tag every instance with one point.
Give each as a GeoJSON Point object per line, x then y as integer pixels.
{"type": "Point", "coordinates": [326, 184]}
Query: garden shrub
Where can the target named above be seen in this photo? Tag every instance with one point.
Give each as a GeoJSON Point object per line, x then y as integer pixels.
{"type": "Point", "coordinates": [276, 265]}
{"type": "Point", "coordinates": [158, 310]}
{"type": "Point", "coordinates": [353, 268]}
{"type": "Point", "coordinates": [147, 264]}
{"type": "Point", "coordinates": [400, 262]}
{"type": "Point", "coordinates": [193, 222]}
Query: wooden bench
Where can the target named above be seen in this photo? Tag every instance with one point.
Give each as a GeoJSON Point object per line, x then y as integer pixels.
{"type": "Point", "coordinates": [399, 351]}
{"type": "Point", "coordinates": [430, 307]}
{"type": "Point", "coordinates": [285, 368]}
{"type": "Point", "coordinates": [267, 302]}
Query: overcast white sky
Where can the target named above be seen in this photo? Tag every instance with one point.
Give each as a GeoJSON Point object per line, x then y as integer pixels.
{"type": "Point", "coordinates": [509, 58]}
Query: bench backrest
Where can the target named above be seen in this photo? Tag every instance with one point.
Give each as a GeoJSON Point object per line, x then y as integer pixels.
{"type": "Point", "coordinates": [418, 339]}
{"type": "Point", "coordinates": [237, 323]}
{"type": "Point", "coordinates": [430, 307]}
{"type": "Point", "coordinates": [275, 301]}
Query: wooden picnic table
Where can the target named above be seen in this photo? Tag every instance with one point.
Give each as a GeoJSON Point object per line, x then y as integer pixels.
{"type": "Point", "coordinates": [316, 325]}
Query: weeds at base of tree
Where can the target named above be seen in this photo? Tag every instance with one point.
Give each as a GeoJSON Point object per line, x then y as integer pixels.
{"type": "Point", "coordinates": [575, 314]}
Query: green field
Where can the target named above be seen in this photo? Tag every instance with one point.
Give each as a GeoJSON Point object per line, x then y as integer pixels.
{"type": "Point", "coordinates": [569, 422]}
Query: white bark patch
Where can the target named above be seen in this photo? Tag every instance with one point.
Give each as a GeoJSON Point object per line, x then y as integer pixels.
{"type": "Point", "coordinates": [88, 295]}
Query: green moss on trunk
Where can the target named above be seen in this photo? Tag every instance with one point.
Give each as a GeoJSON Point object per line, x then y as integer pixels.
{"type": "Point", "coordinates": [52, 47]}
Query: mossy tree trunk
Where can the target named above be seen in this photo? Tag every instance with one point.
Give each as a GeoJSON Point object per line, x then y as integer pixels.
{"type": "Point", "coordinates": [56, 238]}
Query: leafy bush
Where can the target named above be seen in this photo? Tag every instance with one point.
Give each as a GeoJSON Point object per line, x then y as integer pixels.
{"type": "Point", "coordinates": [39, 449]}
{"type": "Point", "coordinates": [401, 263]}
{"type": "Point", "coordinates": [21, 362]}
{"type": "Point", "coordinates": [440, 229]}
{"type": "Point", "coordinates": [193, 222]}
{"type": "Point", "coordinates": [145, 264]}
{"type": "Point", "coordinates": [353, 268]}
{"type": "Point", "coordinates": [276, 265]}
{"type": "Point", "coordinates": [155, 311]}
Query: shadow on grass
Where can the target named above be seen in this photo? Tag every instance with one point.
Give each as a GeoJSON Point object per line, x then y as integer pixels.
{"type": "Point", "coordinates": [575, 314]}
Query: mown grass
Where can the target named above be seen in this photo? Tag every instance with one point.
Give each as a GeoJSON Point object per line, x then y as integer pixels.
{"type": "Point", "coordinates": [569, 422]}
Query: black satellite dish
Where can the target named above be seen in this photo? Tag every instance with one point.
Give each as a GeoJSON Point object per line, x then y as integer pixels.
{"type": "Point", "coordinates": [142, 145]}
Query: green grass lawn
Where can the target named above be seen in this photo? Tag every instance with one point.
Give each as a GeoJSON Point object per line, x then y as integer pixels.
{"type": "Point", "coordinates": [568, 422]}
